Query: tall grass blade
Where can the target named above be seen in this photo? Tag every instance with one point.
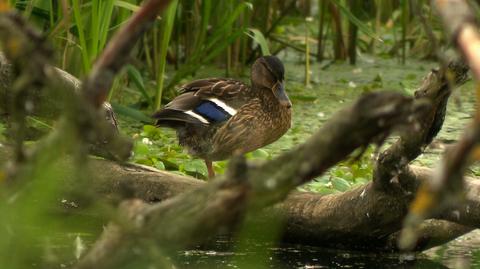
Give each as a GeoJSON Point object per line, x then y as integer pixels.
{"type": "Point", "coordinates": [94, 29]}
{"type": "Point", "coordinates": [206, 12]}
{"type": "Point", "coordinates": [259, 38]}
{"type": "Point", "coordinates": [107, 7]}
{"type": "Point", "coordinates": [361, 26]}
{"type": "Point", "coordinates": [126, 5]}
{"type": "Point", "coordinates": [77, 15]}
{"type": "Point", "coordinates": [135, 76]}
{"type": "Point", "coordinates": [166, 34]}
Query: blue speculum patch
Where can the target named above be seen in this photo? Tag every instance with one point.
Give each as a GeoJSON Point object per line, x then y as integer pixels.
{"type": "Point", "coordinates": [212, 111]}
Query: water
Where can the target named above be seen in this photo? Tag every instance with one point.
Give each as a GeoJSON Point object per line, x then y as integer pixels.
{"type": "Point", "coordinates": [464, 252]}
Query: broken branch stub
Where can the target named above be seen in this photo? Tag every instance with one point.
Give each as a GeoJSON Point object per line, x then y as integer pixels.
{"type": "Point", "coordinates": [436, 89]}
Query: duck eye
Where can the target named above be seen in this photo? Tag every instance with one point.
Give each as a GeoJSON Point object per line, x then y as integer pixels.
{"type": "Point", "coordinates": [269, 69]}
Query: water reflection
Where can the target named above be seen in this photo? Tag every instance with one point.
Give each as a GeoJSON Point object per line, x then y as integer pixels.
{"type": "Point", "coordinates": [460, 253]}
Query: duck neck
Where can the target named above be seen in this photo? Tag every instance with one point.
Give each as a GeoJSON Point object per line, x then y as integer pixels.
{"type": "Point", "coordinates": [260, 91]}
{"type": "Point", "coordinates": [270, 102]}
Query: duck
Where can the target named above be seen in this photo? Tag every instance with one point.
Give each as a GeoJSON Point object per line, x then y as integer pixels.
{"type": "Point", "coordinates": [217, 118]}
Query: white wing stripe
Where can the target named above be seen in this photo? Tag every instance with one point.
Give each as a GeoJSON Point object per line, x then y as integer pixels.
{"type": "Point", "coordinates": [230, 110]}
{"type": "Point", "coordinates": [197, 116]}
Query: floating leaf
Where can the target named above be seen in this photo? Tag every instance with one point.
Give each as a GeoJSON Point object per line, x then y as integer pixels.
{"type": "Point", "coordinates": [340, 184]}
{"type": "Point", "coordinates": [305, 98]}
{"type": "Point", "coordinates": [260, 154]}
{"type": "Point", "coordinates": [140, 149]}
{"type": "Point", "coordinates": [159, 165]}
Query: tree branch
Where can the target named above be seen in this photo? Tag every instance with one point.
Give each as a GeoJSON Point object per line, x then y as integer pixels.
{"type": "Point", "coordinates": [436, 88]}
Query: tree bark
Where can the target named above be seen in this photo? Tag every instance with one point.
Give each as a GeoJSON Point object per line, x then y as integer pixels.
{"type": "Point", "coordinates": [364, 218]}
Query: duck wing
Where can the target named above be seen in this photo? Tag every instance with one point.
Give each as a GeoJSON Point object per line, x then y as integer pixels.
{"type": "Point", "coordinates": [205, 101]}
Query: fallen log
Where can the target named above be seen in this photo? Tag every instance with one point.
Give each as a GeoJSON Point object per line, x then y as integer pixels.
{"type": "Point", "coordinates": [364, 218]}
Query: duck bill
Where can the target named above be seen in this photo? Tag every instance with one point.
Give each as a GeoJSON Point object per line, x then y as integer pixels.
{"type": "Point", "coordinates": [281, 95]}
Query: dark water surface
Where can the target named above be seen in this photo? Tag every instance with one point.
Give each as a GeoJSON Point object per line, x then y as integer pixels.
{"type": "Point", "coordinates": [464, 252]}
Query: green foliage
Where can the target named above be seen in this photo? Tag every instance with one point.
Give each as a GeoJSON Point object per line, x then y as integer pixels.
{"type": "Point", "coordinates": [345, 175]}
{"type": "Point", "coordinates": [156, 148]}
{"type": "Point", "coordinates": [193, 33]}
{"type": "Point", "coordinates": [92, 39]}
{"type": "Point", "coordinates": [131, 113]}
{"type": "Point", "coordinates": [126, 5]}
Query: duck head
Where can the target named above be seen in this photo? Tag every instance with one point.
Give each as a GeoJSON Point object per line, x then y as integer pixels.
{"type": "Point", "coordinates": [268, 73]}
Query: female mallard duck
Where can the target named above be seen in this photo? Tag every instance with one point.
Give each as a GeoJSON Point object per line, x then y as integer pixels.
{"type": "Point", "coordinates": [219, 117]}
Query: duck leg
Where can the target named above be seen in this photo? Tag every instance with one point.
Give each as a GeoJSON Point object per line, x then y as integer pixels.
{"type": "Point", "coordinates": [211, 172]}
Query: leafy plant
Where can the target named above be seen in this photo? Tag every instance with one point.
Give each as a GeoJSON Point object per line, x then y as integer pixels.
{"type": "Point", "coordinates": [345, 175]}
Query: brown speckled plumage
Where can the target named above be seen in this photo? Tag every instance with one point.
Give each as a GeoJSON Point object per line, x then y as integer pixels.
{"type": "Point", "coordinates": [263, 113]}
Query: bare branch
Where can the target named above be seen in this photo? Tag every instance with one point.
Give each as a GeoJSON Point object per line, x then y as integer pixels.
{"type": "Point", "coordinates": [436, 88]}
